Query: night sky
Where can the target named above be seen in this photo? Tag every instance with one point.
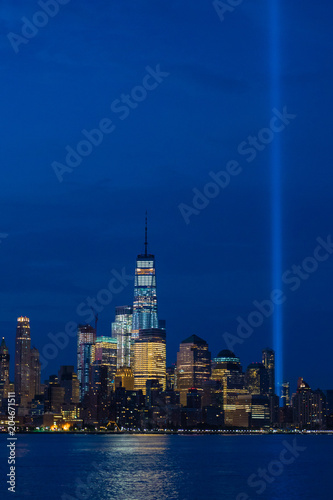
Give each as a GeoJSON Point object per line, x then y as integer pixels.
{"type": "Point", "coordinates": [209, 89]}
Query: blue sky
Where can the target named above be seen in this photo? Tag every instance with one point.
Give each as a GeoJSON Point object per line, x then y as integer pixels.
{"type": "Point", "coordinates": [65, 238]}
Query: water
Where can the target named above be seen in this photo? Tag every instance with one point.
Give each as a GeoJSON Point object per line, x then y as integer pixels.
{"type": "Point", "coordinates": [169, 467]}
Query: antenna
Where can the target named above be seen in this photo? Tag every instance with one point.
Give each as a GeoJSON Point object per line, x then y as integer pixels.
{"type": "Point", "coordinates": [146, 235]}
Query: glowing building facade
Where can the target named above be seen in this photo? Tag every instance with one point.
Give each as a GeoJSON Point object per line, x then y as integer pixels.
{"type": "Point", "coordinates": [268, 360]}
{"type": "Point", "coordinates": [193, 366]}
{"type": "Point", "coordinates": [86, 338]}
{"type": "Point", "coordinates": [22, 361]}
{"type": "Point", "coordinates": [145, 299]}
{"type": "Point", "coordinates": [105, 352]}
{"type": "Point", "coordinates": [256, 379]}
{"type": "Point", "coordinates": [227, 369]}
{"type": "Point", "coordinates": [150, 358]}
{"type": "Point", "coordinates": [122, 331]}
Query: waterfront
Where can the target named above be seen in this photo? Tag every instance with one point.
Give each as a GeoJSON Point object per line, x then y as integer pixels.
{"type": "Point", "coordinates": [170, 467]}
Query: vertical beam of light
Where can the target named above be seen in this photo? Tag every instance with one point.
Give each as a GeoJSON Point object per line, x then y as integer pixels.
{"type": "Point", "coordinates": [276, 208]}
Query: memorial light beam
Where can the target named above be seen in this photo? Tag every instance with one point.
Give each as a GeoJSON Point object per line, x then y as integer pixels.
{"type": "Point", "coordinates": [276, 208]}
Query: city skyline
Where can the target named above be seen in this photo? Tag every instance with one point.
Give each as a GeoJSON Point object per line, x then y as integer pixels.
{"type": "Point", "coordinates": [198, 121]}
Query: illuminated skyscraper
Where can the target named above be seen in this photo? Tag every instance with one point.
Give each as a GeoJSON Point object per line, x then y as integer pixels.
{"type": "Point", "coordinates": [105, 352]}
{"type": "Point", "coordinates": [4, 370]}
{"type": "Point", "coordinates": [124, 378]}
{"type": "Point", "coordinates": [227, 369]}
{"type": "Point", "coordinates": [22, 361]}
{"type": "Point", "coordinates": [121, 330]}
{"type": "Point", "coordinates": [145, 299]}
{"type": "Point", "coordinates": [193, 365]}
{"type": "Point", "coordinates": [86, 337]}
{"type": "Point", "coordinates": [150, 358]}
{"type": "Point", "coordinates": [35, 366]}
{"type": "Point", "coordinates": [308, 407]}
{"type": "Point", "coordinates": [268, 360]}
{"type": "Point", "coordinates": [256, 379]}
{"type": "Point", "coordinates": [285, 394]}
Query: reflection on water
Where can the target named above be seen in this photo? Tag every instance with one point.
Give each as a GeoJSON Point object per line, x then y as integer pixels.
{"type": "Point", "coordinates": [141, 467]}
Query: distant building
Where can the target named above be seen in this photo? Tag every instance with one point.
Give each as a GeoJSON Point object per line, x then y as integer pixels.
{"type": "Point", "coordinates": [145, 297]}
{"type": "Point", "coordinates": [35, 373]}
{"type": "Point", "coordinates": [54, 396]}
{"type": "Point", "coordinates": [268, 360]}
{"type": "Point", "coordinates": [308, 407]}
{"type": "Point", "coordinates": [124, 378]}
{"type": "Point", "coordinates": [68, 380]}
{"type": "Point", "coordinates": [227, 369]}
{"type": "Point", "coordinates": [193, 365]}
{"type": "Point", "coordinates": [256, 379]}
{"type": "Point", "coordinates": [22, 362]}
{"type": "Point", "coordinates": [285, 394]}
{"type": "Point", "coordinates": [251, 411]}
{"type": "Point", "coordinates": [105, 351]}
{"type": "Point", "coordinates": [86, 338]}
{"type": "Point", "coordinates": [121, 330]}
{"type": "Point", "coordinates": [150, 358]}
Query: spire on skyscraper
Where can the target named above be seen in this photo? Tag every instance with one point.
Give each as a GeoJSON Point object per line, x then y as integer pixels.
{"type": "Point", "coordinates": [146, 235]}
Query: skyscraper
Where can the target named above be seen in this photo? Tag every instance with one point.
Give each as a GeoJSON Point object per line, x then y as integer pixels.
{"type": "Point", "coordinates": [35, 367]}
{"type": "Point", "coordinates": [227, 369]}
{"type": "Point", "coordinates": [256, 379]}
{"type": "Point", "coordinates": [193, 365]}
{"type": "Point", "coordinates": [22, 361]}
{"type": "Point", "coordinates": [145, 299]}
{"type": "Point", "coordinates": [4, 370]}
{"type": "Point", "coordinates": [86, 337]}
{"type": "Point", "coordinates": [150, 358]}
{"type": "Point", "coordinates": [122, 330]}
{"type": "Point", "coordinates": [268, 360]}
{"type": "Point", "coordinates": [105, 351]}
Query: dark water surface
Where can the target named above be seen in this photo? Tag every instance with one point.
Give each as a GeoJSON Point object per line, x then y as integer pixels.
{"type": "Point", "coordinates": [167, 467]}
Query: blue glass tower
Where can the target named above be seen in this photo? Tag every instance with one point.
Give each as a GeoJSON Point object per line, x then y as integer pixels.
{"type": "Point", "coordinates": [145, 299]}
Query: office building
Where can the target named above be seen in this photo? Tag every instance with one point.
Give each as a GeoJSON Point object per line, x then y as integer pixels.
{"type": "Point", "coordinates": [105, 351]}
{"type": "Point", "coordinates": [268, 360]}
{"type": "Point", "coordinates": [308, 407]}
{"type": "Point", "coordinates": [227, 369]}
{"type": "Point", "coordinates": [256, 379]}
{"type": "Point", "coordinates": [145, 298]}
{"type": "Point", "coordinates": [86, 337]}
{"type": "Point", "coordinates": [193, 366]}
{"type": "Point", "coordinates": [124, 378]}
{"type": "Point", "coordinates": [122, 330]}
{"type": "Point", "coordinates": [150, 358]}
{"type": "Point", "coordinates": [22, 362]}
{"type": "Point", "coordinates": [35, 368]}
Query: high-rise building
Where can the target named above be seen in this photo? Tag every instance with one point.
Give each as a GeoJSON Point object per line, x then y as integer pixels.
{"type": "Point", "coordinates": [256, 379]}
{"type": "Point", "coordinates": [105, 351]}
{"type": "Point", "coordinates": [35, 368]}
{"type": "Point", "coordinates": [145, 298]}
{"type": "Point", "coordinates": [97, 407]}
{"type": "Point", "coordinates": [54, 395]}
{"type": "Point", "coordinates": [124, 378]}
{"type": "Point", "coordinates": [193, 366]}
{"type": "Point", "coordinates": [150, 358]}
{"type": "Point", "coordinates": [268, 360]}
{"type": "Point", "coordinates": [285, 394]}
{"type": "Point", "coordinates": [4, 370]}
{"type": "Point", "coordinates": [308, 407]}
{"type": "Point", "coordinates": [227, 369]}
{"type": "Point", "coordinates": [86, 337]}
{"type": "Point", "coordinates": [22, 361]}
{"type": "Point", "coordinates": [68, 380]}
{"type": "Point", "coordinates": [122, 330]}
